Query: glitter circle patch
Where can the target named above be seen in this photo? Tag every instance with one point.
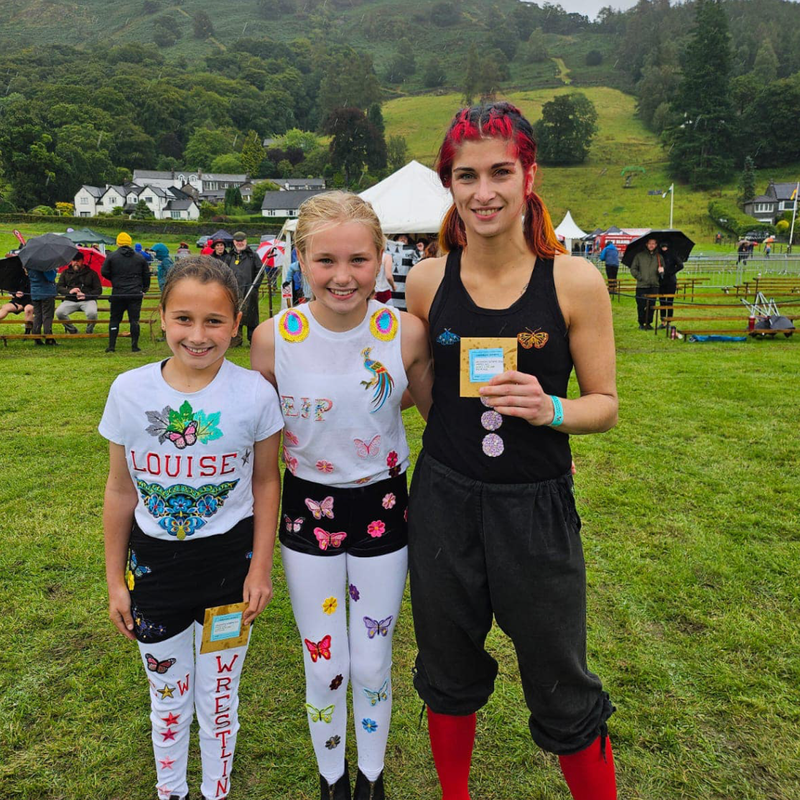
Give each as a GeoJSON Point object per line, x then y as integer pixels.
{"type": "Point", "coordinates": [383, 325]}
{"type": "Point", "coordinates": [493, 445]}
{"type": "Point", "coordinates": [491, 420]}
{"type": "Point", "coordinates": [293, 326]}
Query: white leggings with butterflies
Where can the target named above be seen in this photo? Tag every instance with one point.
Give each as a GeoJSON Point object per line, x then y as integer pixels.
{"type": "Point", "coordinates": [319, 587]}
{"type": "Point", "coordinates": [180, 683]}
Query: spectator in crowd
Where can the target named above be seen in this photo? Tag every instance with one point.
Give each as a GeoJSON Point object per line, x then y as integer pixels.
{"type": "Point", "coordinates": [80, 287]}
{"type": "Point", "coordinates": [645, 269]}
{"type": "Point", "coordinates": [218, 250]}
{"type": "Point", "coordinates": [403, 260]}
{"type": "Point", "coordinates": [143, 252]}
{"type": "Point", "coordinates": [43, 296]}
{"type": "Point", "coordinates": [182, 252]}
{"type": "Point", "coordinates": [432, 249]}
{"type": "Point", "coordinates": [419, 250]}
{"type": "Point", "coordinates": [743, 249]}
{"type": "Point", "coordinates": [246, 266]}
{"type": "Point", "coordinates": [20, 303]}
{"type": "Point", "coordinates": [208, 248]}
{"type": "Point", "coordinates": [165, 263]}
{"type": "Point", "coordinates": [609, 255]}
{"type": "Point", "coordinates": [384, 283]}
{"type": "Point", "coordinates": [767, 249]}
{"type": "Point", "coordinates": [668, 268]}
{"type": "Point", "coordinates": [129, 274]}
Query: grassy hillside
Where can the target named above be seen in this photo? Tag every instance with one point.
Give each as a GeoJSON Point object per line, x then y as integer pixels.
{"type": "Point", "coordinates": [593, 191]}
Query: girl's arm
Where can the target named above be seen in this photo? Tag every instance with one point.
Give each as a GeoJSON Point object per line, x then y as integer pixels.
{"type": "Point", "coordinates": [262, 351]}
{"type": "Point", "coordinates": [417, 361]}
{"type": "Point", "coordinates": [118, 506]}
{"type": "Point", "coordinates": [266, 499]}
{"type": "Point", "coordinates": [586, 307]}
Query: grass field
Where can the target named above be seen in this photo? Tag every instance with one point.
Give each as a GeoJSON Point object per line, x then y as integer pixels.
{"type": "Point", "coordinates": [691, 517]}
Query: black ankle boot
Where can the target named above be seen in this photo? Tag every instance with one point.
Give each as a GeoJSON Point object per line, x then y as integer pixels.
{"type": "Point", "coordinates": [337, 791]}
{"type": "Point", "coordinates": [367, 789]}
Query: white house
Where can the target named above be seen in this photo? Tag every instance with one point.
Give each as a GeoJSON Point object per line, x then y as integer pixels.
{"type": "Point", "coordinates": [86, 200]}
{"type": "Point", "coordinates": [199, 180]}
{"type": "Point", "coordinates": [285, 203]}
{"type": "Point", "coordinates": [170, 203]}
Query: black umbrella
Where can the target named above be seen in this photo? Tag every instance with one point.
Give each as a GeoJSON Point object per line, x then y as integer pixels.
{"type": "Point", "coordinates": [12, 276]}
{"type": "Point", "coordinates": [223, 236]}
{"type": "Point", "coordinates": [48, 251]}
{"type": "Point", "coordinates": [679, 243]}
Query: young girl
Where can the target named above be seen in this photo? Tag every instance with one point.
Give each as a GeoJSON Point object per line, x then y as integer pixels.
{"type": "Point", "coordinates": [493, 528]}
{"type": "Point", "coordinates": [341, 364]}
{"type": "Point", "coordinates": [190, 517]}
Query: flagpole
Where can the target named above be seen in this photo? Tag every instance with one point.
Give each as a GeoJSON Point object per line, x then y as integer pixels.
{"type": "Point", "coordinates": [794, 214]}
{"type": "Point", "coordinates": [671, 202]}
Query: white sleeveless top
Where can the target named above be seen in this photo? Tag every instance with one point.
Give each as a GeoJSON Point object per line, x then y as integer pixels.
{"type": "Point", "coordinates": [340, 397]}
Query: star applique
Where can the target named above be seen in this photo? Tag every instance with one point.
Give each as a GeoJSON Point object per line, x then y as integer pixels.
{"type": "Point", "coordinates": [167, 691]}
{"type": "Point", "coordinates": [166, 763]}
{"type": "Point", "coordinates": [171, 719]}
{"type": "Point", "coordinates": [246, 456]}
{"type": "Point", "coordinates": [169, 734]}
{"type": "Point", "coordinates": [163, 790]}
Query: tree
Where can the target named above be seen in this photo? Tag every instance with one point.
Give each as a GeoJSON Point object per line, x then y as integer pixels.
{"type": "Point", "coordinates": [204, 146]}
{"type": "Point", "coordinates": [228, 163]}
{"type": "Point", "coordinates": [594, 58]}
{"type": "Point", "coordinates": [535, 49]}
{"type": "Point", "coordinates": [252, 153]}
{"type": "Point", "coordinates": [166, 30]}
{"type": "Point", "coordinates": [566, 129]}
{"type": "Point", "coordinates": [259, 191]}
{"type": "Point", "coordinates": [348, 81]}
{"type": "Point", "coordinates": [434, 75]}
{"type": "Point", "coordinates": [396, 152]}
{"type": "Point", "coordinates": [765, 67]}
{"type": "Point", "coordinates": [203, 27]}
{"type": "Point", "coordinates": [403, 64]}
{"type": "Point", "coordinates": [233, 199]}
{"type": "Point", "coordinates": [142, 211]}
{"type": "Point", "coordinates": [747, 181]}
{"type": "Point", "coordinates": [702, 144]}
{"type": "Point", "coordinates": [356, 143]}
{"type": "Point", "coordinates": [472, 75]}
{"type": "Point", "coordinates": [375, 116]}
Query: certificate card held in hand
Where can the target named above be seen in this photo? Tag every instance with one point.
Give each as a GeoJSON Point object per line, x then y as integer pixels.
{"type": "Point", "coordinates": [483, 357]}
{"type": "Point", "coordinates": [224, 627]}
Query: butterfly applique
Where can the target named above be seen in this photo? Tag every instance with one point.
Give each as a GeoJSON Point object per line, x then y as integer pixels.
{"type": "Point", "coordinates": [370, 449]}
{"type": "Point", "coordinates": [154, 665]}
{"type": "Point", "coordinates": [320, 714]}
{"type": "Point", "coordinates": [537, 339]}
{"type": "Point", "coordinates": [326, 540]}
{"type": "Point", "coordinates": [382, 694]}
{"type": "Point", "coordinates": [448, 337]}
{"type": "Point", "coordinates": [135, 570]}
{"type": "Point", "coordinates": [293, 525]}
{"type": "Point", "coordinates": [377, 628]}
{"type": "Point", "coordinates": [185, 439]}
{"type": "Point", "coordinates": [323, 508]}
{"type": "Point", "coordinates": [319, 649]}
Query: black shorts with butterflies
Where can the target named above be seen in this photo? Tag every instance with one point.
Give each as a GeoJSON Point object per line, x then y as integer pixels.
{"type": "Point", "coordinates": [173, 583]}
{"type": "Point", "coordinates": [363, 521]}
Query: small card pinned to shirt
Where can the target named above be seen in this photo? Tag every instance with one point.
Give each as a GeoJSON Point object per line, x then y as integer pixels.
{"type": "Point", "coordinates": [224, 627]}
{"type": "Point", "coordinates": [483, 357]}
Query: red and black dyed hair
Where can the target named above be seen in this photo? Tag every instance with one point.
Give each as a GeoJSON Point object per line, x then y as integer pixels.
{"type": "Point", "coordinates": [501, 121]}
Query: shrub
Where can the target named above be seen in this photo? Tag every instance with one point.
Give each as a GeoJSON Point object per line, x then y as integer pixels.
{"type": "Point", "coordinates": [728, 216]}
{"type": "Point", "coordinates": [594, 58]}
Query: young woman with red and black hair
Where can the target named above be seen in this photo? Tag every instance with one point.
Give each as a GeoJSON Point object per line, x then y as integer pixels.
{"type": "Point", "coordinates": [493, 529]}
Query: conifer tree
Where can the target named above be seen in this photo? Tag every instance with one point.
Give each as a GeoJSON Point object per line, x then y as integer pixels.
{"type": "Point", "coordinates": [747, 181]}
{"type": "Point", "coordinates": [702, 143]}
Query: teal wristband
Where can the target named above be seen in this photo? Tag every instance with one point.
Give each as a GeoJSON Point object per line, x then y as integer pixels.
{"type": "Point", "coordinates": [558, 411]}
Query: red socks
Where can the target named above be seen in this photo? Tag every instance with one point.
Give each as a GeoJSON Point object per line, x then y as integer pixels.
{"type": "Point", "coordinates": [452, 739]}
{"type": "Point", "coordinates": [589, 775]}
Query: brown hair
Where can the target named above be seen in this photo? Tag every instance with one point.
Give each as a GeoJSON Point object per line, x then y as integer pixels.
{"type": "Point", "coordinates": [504, 121]}
{"type": "Point", "coordinates": [331, 208]}
{"type": "Point", "coordinates": [204, 269]}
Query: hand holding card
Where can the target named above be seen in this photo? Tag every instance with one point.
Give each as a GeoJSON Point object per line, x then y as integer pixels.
{"type": "Point", "coordinates": [517, 394]}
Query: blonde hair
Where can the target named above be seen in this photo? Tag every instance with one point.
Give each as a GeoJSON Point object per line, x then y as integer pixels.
{"type": "Point", "coordinates": [326, 210]}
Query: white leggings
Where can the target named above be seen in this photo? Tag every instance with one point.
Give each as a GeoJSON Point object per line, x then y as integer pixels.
{"type": "Point", "coordinates": [207, 683]}
{"type": "Point", "coordinates": [319, 587]}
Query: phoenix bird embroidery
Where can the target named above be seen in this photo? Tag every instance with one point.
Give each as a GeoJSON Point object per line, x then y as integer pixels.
{"type": "Point", "coordinates": [381, 381]}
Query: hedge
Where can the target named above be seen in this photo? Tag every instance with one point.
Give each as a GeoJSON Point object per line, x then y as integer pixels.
{"type": "Point", "coordinates": [155, 226]}
{"type": "Point", "coordinates": [728, 216]}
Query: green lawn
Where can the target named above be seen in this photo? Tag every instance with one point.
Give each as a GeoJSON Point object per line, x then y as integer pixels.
{"type": "Point", "coordinates": [691, 517]}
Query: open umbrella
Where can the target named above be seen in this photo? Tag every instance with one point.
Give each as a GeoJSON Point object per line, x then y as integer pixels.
{"type": "Point", "coordinates": [679, 243]}
{"type": "Point", "coordinates": [270, 252]}
{"type": "Point", "coordinates": [94, 259]}
{"type": "Point", "coordinates": [221, 235]}
{"type": "Point", "coordinates": [12, 276]}
{"type": "Point", "coordinates": [48, 251]}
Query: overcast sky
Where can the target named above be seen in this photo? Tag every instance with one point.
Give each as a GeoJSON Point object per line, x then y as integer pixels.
{"type": "Point", "coordinates": [591, 7]}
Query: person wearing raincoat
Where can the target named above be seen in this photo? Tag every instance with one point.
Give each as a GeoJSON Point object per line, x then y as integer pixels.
{"type": "Point", "coordinates": [246, 266]}
{"type": "Point", "coordinates": [165, 263]}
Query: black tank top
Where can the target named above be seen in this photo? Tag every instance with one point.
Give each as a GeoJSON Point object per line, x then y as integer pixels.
{"type": "Point", "coordinates": [464, 434]}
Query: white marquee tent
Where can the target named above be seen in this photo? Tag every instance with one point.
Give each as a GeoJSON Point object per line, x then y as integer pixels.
{"type": "Point", "coordinates": [568, 231]}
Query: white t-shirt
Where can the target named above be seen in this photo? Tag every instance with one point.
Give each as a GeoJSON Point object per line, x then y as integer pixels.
{"type": "Point", "coordinates": [340, 397]}
{"type": "Point", "coordinates": [190, 456]}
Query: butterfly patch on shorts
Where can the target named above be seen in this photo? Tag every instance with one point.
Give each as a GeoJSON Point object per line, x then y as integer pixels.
{"type": "Point", "coordinates": [377, 627]}
{"type": "Point", "coordinates": [293, 525]}
{"type": "Point", "coordinates": [529, 338]}
{"type": "Point", "coordinates": [326, 540]}
{"type": "Point", "coordinates": [320, 649]}
{"type": "Point", "coordinates": [448, 337]}
{"type": "Point", "coordinates": [183, 427]}
{"type": "Point", "coordinates": [161, 667]}
{"type": "Point", "coordinates": [371, 449]}
{"type": "Point", "coordinates": [321, 508]}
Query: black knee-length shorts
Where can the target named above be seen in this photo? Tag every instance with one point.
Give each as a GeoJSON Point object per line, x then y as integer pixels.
{"type": "Point", "coordinates": [511, 552]}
